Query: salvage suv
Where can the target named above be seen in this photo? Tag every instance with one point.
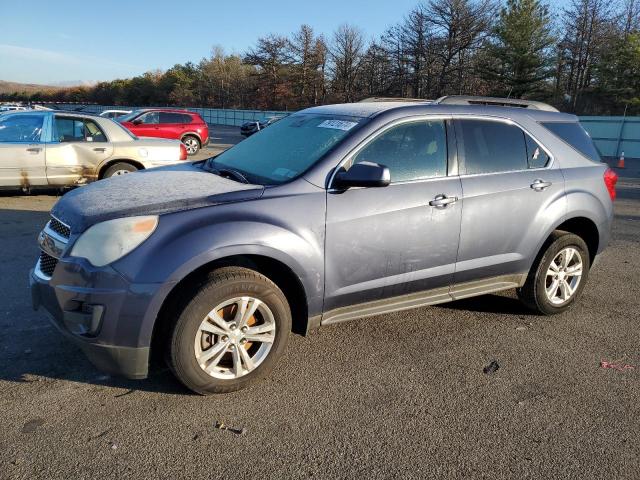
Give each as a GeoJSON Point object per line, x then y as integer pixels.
{"type": "Point", "coordinates": [333, 213]}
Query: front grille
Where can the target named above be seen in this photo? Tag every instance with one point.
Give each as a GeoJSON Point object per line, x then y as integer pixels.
{"type": "Point", "coordinates": [47, 264]}
{"type": "Point", "coordinates": [59, 227]}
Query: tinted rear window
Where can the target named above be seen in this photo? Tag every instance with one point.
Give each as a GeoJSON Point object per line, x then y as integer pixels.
{"type": "Point", "coordinates": [576, 136]}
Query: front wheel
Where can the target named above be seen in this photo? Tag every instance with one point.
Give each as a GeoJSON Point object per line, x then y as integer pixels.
{"type": "Point", "coordinates": [230, 333]}
{"type": "Point", "coordinates": [558, 275]}
{"type": "Point", "coordinates": [192, 144]}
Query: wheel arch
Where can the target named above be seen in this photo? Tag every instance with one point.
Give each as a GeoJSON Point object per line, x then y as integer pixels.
{"type": "Point", "coordinates": [586, 229]}
{"type": "Point", "coordinates": [275, 270]}
{"type": "Point", "coordinates": [191, 134]}
{"type": "Point", "coordinates": [110, 162]}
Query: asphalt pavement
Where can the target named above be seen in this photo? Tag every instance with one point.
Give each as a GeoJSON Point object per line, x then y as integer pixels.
{"type": "Point", "coordinates": [400, 395]}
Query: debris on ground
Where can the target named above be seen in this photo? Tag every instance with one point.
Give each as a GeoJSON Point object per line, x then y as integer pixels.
{"type": "Point", "coordinates": [32, 425]}
{"type": "Point", "coordinates": [237, 431]}
{"type": "Point", "coordinates": [123, 394]}
{"type": "Point", "coordinates": [616, 365]}
{"type": "Point", "coordinates": [521, 328]}
{"type": "Point", "coordinates": [491, 368]}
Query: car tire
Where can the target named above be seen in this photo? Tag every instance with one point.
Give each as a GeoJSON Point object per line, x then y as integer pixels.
{"type": "Point", "coordinates": [551, 285]}
{"type": "Point", "coordinates": [192, 144]}
{"type": "Point", "coordinates": [120, 168]}
{"type": "Point", "coordinates": [198, 353]}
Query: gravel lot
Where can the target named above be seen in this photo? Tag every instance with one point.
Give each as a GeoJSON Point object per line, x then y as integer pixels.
{"type": "Point", "coordinates": [397, 395]}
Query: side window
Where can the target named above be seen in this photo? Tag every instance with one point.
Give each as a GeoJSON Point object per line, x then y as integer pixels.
{"type": "Point", "coordinates": [93, 132]}
{"type": "Point", "coordinates": [166, 117]}
{"type": "Point", "coordinates": [150, 118]}
{"type": "Point", "coordinates": [21, 128]}
{"type": "Point", "coordinates": [536, 156]}
{"type": "Point", "coordinates": [69, 129]}
{"type": "Point", "coordinates": [490, 146]}
{"type": "Point", "coordinates": [411, 151]}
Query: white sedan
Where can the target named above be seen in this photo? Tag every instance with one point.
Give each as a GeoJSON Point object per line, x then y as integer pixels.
{"type": "Point", "coordinates": [57, 149]}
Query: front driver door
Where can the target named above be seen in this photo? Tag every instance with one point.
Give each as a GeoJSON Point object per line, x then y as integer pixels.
{"type": "Point", "coordinates": [390, 241]}
{"type": "Point", "coordinates": [22, 151]}
{"type": "Point", "coordinates": [149, 125]}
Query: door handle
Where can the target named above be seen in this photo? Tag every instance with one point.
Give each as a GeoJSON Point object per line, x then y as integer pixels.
{"type": "Point", "coordinates": [34, 149]}
{"type": "Point", "coordinates": [441, 201]}
{"type": "Point", "coordinates": [99, 149]}
{"type": "Point", "coordinates": [539, 185]}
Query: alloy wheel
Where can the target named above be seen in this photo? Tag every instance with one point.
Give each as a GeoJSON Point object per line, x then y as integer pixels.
{"type": "Point", "coordinates": [563, 276]}
{"type": "Point", "coordinates": [191, 144]}
{"type": "Point", "coordinates": [235, 337]}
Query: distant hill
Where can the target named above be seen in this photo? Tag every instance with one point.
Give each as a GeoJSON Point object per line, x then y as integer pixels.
{"type": "Point", "coordinates": [28, 88]}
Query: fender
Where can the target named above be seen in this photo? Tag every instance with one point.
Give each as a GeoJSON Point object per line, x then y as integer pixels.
{"type": "Point", "coordinates": [577, 206]}
{"type": "Point", "coordinates": [185, 241]}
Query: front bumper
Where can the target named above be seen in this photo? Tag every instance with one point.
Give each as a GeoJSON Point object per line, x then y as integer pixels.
{"type": "Point", "coordinates": [102, 313]}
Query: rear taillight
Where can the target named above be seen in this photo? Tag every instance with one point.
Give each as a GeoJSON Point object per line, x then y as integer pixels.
{"type": "Point", "coordinates": [610, 179]}
{"type": "Point", "coordinates": [183, 151]}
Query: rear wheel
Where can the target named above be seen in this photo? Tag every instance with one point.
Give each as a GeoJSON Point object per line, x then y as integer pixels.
{"type": "Point", "coordinates": [120, 168]}
{"type": "Point", "coordinates": [558, 276]}
{"type": "Point", "coordinates": [192, 144]}
{"type": "Point", "coordinates": [230, 333]}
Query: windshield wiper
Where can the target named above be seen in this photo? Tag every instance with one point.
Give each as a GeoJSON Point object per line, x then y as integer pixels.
{"type": "Point", "coordinates": [224, 172]}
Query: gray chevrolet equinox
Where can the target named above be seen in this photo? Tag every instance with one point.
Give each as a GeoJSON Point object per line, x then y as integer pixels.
{"type": "Point", "coordinates": [333, 213]}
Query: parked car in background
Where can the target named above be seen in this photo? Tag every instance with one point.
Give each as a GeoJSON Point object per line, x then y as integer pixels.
{"type": "Point", "coordinates": [12, 108]}
{"type": "Point", "coordinates": [188, 127]}
{"type": "Point", "coordinates": [59, 149]}
{"type": "Point", "coordinates": [334, 213]}
{"type": "Point", "coordinates": [114, 113]}
{"type": "Point", "coordinates": [249, 128]}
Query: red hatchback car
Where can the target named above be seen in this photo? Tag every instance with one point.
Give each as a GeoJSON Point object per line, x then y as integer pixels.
{"type": "Point", "coordinates": [188, 127]}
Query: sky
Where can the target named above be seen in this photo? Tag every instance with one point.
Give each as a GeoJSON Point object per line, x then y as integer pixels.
{"type": "Point", "coordinates": [57, 42]}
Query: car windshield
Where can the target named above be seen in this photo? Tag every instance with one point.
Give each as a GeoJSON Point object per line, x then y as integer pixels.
{"type": "Point", "coordinates": [286, 149]}
{"type": "Point", "coordinates": [128, 116]}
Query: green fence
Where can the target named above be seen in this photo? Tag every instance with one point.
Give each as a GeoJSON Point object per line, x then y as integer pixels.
{"type": "Point", "coordinates": [614, 135]}
{"type": "Point", "coordinates": [217, 116]}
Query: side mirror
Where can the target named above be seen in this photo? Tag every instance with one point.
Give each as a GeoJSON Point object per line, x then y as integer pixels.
{"type": "Point", "coordinates": [137, 121]}
{"type": "Point", "coordinates": [363, 174]}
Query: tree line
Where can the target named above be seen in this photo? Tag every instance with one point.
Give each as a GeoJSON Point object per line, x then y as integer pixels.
{"type": "Point", "coordinates": [583, 58]}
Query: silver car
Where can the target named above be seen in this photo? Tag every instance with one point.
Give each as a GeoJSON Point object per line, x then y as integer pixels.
{"type": "Point", "coordinates": [333, 213]}
{"type": "Point", "coordinates": [59, 149]}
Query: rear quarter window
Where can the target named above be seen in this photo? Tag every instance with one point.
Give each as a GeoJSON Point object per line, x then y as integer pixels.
{"type": "Point", "coordinates": [576, 136]}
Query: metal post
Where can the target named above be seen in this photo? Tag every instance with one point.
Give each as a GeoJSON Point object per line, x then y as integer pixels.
{"type": "Point", "coordinates": [624, 117]}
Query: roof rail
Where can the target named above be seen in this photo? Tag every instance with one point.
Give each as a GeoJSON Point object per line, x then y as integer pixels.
{"type": "Point", "coordinates": [394, 99]}
{"type": "Point", "coordinates": [500, 102]}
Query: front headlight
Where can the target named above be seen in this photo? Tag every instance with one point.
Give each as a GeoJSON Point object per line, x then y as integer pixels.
{"type": "Point", "coordinates": [106, 242]}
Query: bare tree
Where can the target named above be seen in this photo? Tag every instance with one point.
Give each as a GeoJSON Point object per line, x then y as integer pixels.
{"type": "Point", "coordinates": [459, 28]}
{"type": "Point", "coordinates": [308, 55]}
{"type": "Point", "coordinates": [271, 57]}
{"type": "Point", "coordinates": [345, 53]}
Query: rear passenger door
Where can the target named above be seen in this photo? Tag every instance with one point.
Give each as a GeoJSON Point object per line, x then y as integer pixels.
{"type": "Point", "coordinates": [78, 148]}
{"type": "Point", "coordinates": [510, 188]}
{"type": "Point", "coordinates": [171, 124]}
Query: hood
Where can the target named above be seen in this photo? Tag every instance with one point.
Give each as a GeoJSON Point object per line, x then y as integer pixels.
{"type": "Point", "coordinates": [149, 192]}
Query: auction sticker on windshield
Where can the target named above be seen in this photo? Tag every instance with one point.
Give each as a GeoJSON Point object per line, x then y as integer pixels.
{"type": "Point", "coordinates": [338, 124]}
